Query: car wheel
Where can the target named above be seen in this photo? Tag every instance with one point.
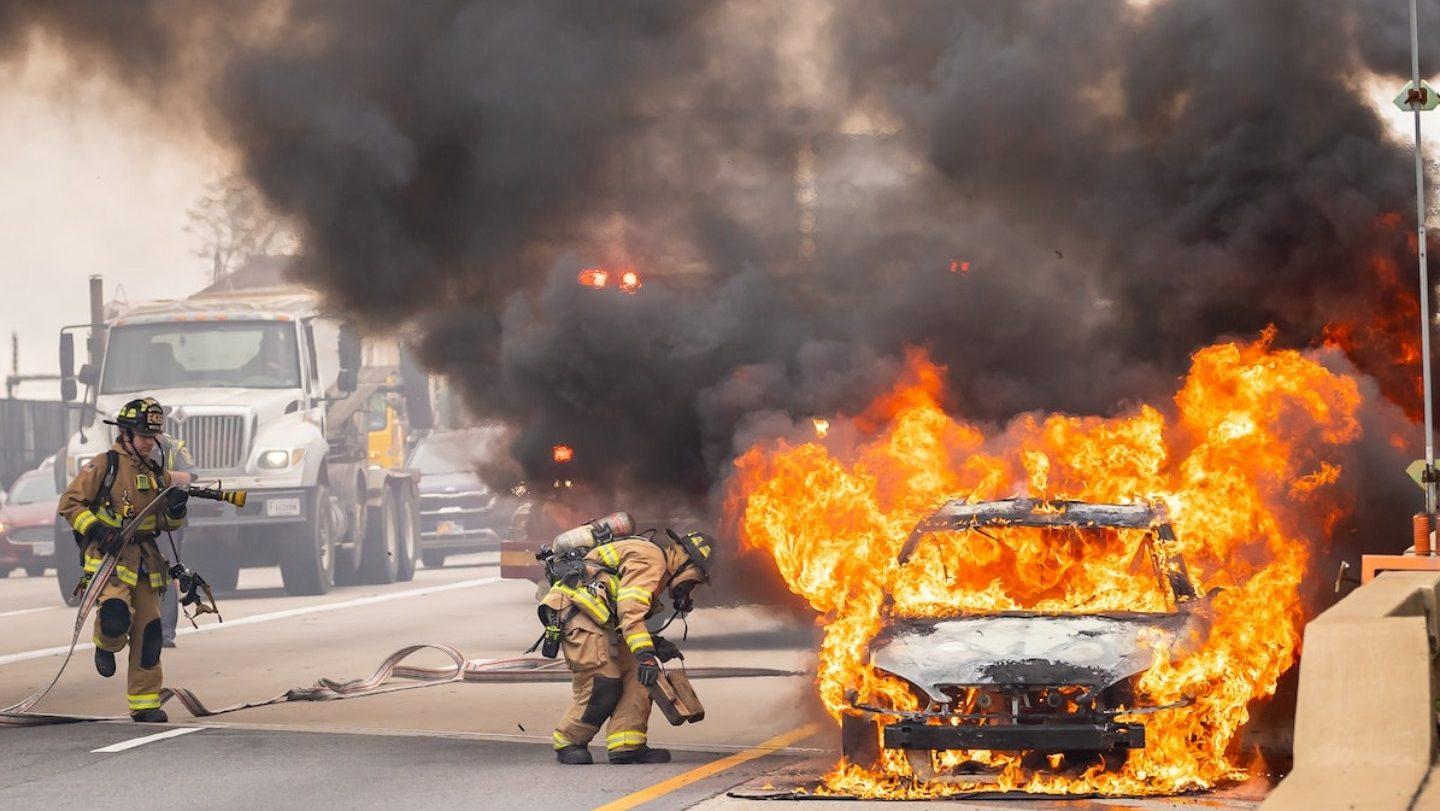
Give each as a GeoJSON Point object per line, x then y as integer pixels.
{"type": "Point", "coordinates": [380, 558]}
{"type": "Point", "coordinates": [432, 559]}
{"type": "Point", "coordinates": [37, 570]}
{"type": "Point", "coordinates": [307, 561]}
{"type": "Point", "coordinates": [5, 571]}
{"type": "Point", "coordinates": [860, 740]}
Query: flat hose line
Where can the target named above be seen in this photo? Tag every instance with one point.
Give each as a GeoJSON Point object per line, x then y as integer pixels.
{"type": "Point", "coordinates": [517, 669]}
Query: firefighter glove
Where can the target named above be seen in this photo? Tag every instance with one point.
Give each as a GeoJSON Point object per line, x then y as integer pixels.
{"type": "Point", "coordinates": [649, 671]}
{"type": "Point", "coordinates": [665, 650]}
{"type": "Point", "coordinates": [107, 537]}
{"type": "Point", "coordinates": [176, 500]}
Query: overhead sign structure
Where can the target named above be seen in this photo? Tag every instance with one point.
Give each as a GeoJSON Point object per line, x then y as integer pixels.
{"type": "Point", "coordinates": [1426, 97]}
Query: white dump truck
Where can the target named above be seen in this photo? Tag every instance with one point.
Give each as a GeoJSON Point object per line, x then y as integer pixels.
{"type": "Point", "coordinates": [268, 395]}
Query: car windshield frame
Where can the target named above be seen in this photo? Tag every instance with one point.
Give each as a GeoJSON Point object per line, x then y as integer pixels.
{"type": "Point", "coordinates": [960, 516]}
{"type": "Point", "coordinates": [134, 363]}
{"type": "Point", "coordinates": [436, 452]}
{"type": "Point", "coordinates": [12, 498]}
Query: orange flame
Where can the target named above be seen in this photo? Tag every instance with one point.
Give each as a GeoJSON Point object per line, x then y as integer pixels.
{"type": "Point", "coordinates": [1241, 462]}
{"type": "Point", "coordinates": [594, 277]}
{"type": "Point", "coordinates": [822, 427]}
{"type": "Point", "coordinates": [562, 453]}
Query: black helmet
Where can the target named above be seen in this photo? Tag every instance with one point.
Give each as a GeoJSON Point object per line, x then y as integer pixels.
{"type": "Point", "coordinates": [142, 416]}
{"type": "Point", "coordinates": [699, 547]}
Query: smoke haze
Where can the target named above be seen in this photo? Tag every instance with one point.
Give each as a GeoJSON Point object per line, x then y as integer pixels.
{"type": "Point", "coordinates": [1124, 184]}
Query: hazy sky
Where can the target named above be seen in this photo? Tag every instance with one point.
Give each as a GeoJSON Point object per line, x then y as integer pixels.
{"type": "Point", "coordinates": [91, 184]}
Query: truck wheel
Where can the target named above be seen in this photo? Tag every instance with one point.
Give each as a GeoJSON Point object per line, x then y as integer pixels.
{"type": "Point", "coordinates": [37, 570]}
{"type": "Point", "coordinates": [860, 741]}
{"type": "Point", "coordinates": [432, 558]}
{"type": "Point", "coordinates": [380, 556]}
{"type": "Point", "coordinates": [349, 561]}
{"type": "Point", "coordinates": [67, 567]}
{"type": "Point", "coordinates": [5, 571]}
{"type": "Point", "coordinates": [408, 528]}
{"type": "Point", "coordinates": [307, 562]}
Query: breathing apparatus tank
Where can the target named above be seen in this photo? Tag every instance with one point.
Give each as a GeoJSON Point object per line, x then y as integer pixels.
{"type": "Point", "coordinates": [601, 530]}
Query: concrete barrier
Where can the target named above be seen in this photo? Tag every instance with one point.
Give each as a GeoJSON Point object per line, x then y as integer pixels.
{"type": "Point", "coordinates": [1365, 717]}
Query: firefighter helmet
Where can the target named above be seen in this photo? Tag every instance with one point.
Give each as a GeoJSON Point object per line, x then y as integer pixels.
{"type": "Point", "coordinates": [699, 547]}
{"type": "Point", "coordinates": [142, 416]}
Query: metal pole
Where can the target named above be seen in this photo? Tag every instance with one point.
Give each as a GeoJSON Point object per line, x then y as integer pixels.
{"type": "Point", "coordinates": [1415, 105]}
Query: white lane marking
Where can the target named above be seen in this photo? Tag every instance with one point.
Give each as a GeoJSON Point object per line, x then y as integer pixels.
{"type": "Point", "coordinates": [134, 742]}
{"type": "Point", "coordinates": [29, 610]}
{"type": "Point", "coordinates": [272, 616]}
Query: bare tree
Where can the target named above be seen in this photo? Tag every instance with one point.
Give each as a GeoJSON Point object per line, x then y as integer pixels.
{"type": "Point", "coordinates": [232, 225]}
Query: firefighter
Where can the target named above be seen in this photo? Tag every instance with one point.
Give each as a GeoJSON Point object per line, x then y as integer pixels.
{"type": "Point", "coordinates": [106, 491]}
{"type": "Point", "coordinates": [612, 656]}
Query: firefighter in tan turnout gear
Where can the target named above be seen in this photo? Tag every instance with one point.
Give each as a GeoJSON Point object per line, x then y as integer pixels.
{"type": "Point", "coordinates": [108, 489]}
{"type": "Point", "coordinates": [603, 590]}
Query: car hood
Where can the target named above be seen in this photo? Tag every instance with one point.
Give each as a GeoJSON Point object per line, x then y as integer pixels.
{"type": "Point", "coordinates": [29, 515]}
{"type": "Point", "coordinates": [1033, 649]}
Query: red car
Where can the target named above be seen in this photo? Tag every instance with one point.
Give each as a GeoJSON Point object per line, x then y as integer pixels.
{"type": "Point", "coordinates": [27, 524]}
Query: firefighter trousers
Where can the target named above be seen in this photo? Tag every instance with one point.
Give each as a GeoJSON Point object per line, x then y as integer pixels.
{"type": "Point", "coordinates": [605, 690]}
{"type": "Point", "coordinates": [130, 614]}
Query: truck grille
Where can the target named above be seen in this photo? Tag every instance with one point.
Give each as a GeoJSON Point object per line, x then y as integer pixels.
{"type": "Point", "coordinates": [214, 442]}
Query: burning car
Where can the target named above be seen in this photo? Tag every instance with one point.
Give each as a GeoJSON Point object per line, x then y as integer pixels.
{"type": "Point", "coordinates": [1036, 682]}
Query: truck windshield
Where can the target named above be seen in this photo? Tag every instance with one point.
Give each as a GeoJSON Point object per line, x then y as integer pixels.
{"type": "Point", "coordinates": [201, 354]}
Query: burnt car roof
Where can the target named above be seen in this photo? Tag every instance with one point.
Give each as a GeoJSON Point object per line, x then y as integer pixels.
{"type": "Point", "coordinates": [1034, 512]}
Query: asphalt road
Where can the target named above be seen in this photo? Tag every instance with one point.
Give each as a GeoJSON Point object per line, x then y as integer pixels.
{"type": "Point", "coordinates": [485, 745]}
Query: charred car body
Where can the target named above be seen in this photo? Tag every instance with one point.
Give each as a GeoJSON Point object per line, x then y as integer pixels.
{"type": "Point", "coordinates": [1025, 681]}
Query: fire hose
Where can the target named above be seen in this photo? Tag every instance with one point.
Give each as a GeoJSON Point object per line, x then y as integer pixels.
{"type": "Point", "coordinates": [517, 669]}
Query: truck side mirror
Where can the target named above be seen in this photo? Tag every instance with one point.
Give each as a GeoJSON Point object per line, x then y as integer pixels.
{"type": "Point", "coordinates": [350, 345]}
{"type": "Point", "coordinates": [67, 367]}
{"type": "Point", "coordinates": [87, 375]}
{"type": "Point", "coordinates": [347, 381]}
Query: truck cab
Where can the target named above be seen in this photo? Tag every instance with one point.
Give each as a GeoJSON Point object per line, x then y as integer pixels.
{"type": "Point", "coordinates": [268, 395]}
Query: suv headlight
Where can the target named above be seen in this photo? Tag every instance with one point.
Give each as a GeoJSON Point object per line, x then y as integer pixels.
{"type": "Point", "coordinates": [279, 458]}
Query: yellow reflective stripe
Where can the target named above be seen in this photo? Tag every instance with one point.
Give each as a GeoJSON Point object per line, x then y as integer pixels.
{"type": "Point", "coordinates": [108, 518]}
{"type": "Point", "coordinates": [561, 741]}
{"type": "Point", "coordinates": [639, 594]}
{"type": "Point", "coordinates": [638, 641]}
{"type": "Point", "coordinates": [608, 555]}
{"type": "Point", "coordinates": [119, 646]}
{"type": "Point", "coordinates": [157, 580]}
{"type": "Point", "coordinates": [144, 701]}
{"type": "Point", "coordinates": [92, 565]}
{"type": "Point", "coordinates": [126, 575]}
{"type": "Point", "coordinates": [612, 586]}
{"type": "Point", "coordinates": [597, 610]}
{"type": "Point", "coordinates": [84, 520]}
{"type": "Point", "coordinates": [625, 738]}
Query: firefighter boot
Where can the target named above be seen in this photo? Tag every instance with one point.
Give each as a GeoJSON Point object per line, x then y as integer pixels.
{"type": "Point", "coordinates": [574, 755]}
{"type": "Point", "coordinates": [104, 663]}
{"type": "Point", "coordinates": [643, 754]}
{"type": "Point", "coordinates": [151, 716]}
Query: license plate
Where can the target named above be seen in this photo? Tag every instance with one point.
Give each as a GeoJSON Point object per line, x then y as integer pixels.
{"type": "Point", "coordinates": [44, 547]}
{"type": "Point", "coordinates": [450, 528]}
{"type": "Point", "coordinates": [282, 507]}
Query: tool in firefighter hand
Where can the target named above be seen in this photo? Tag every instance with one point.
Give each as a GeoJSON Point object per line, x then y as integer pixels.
{"type": "Point", "coordinates": [91, 586]}
{"type": "Point", "coordinates": [191, 586]}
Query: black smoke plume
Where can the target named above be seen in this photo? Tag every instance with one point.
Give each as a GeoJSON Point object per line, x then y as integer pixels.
{"type": "Point", "coordinates": [1122, 183]}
